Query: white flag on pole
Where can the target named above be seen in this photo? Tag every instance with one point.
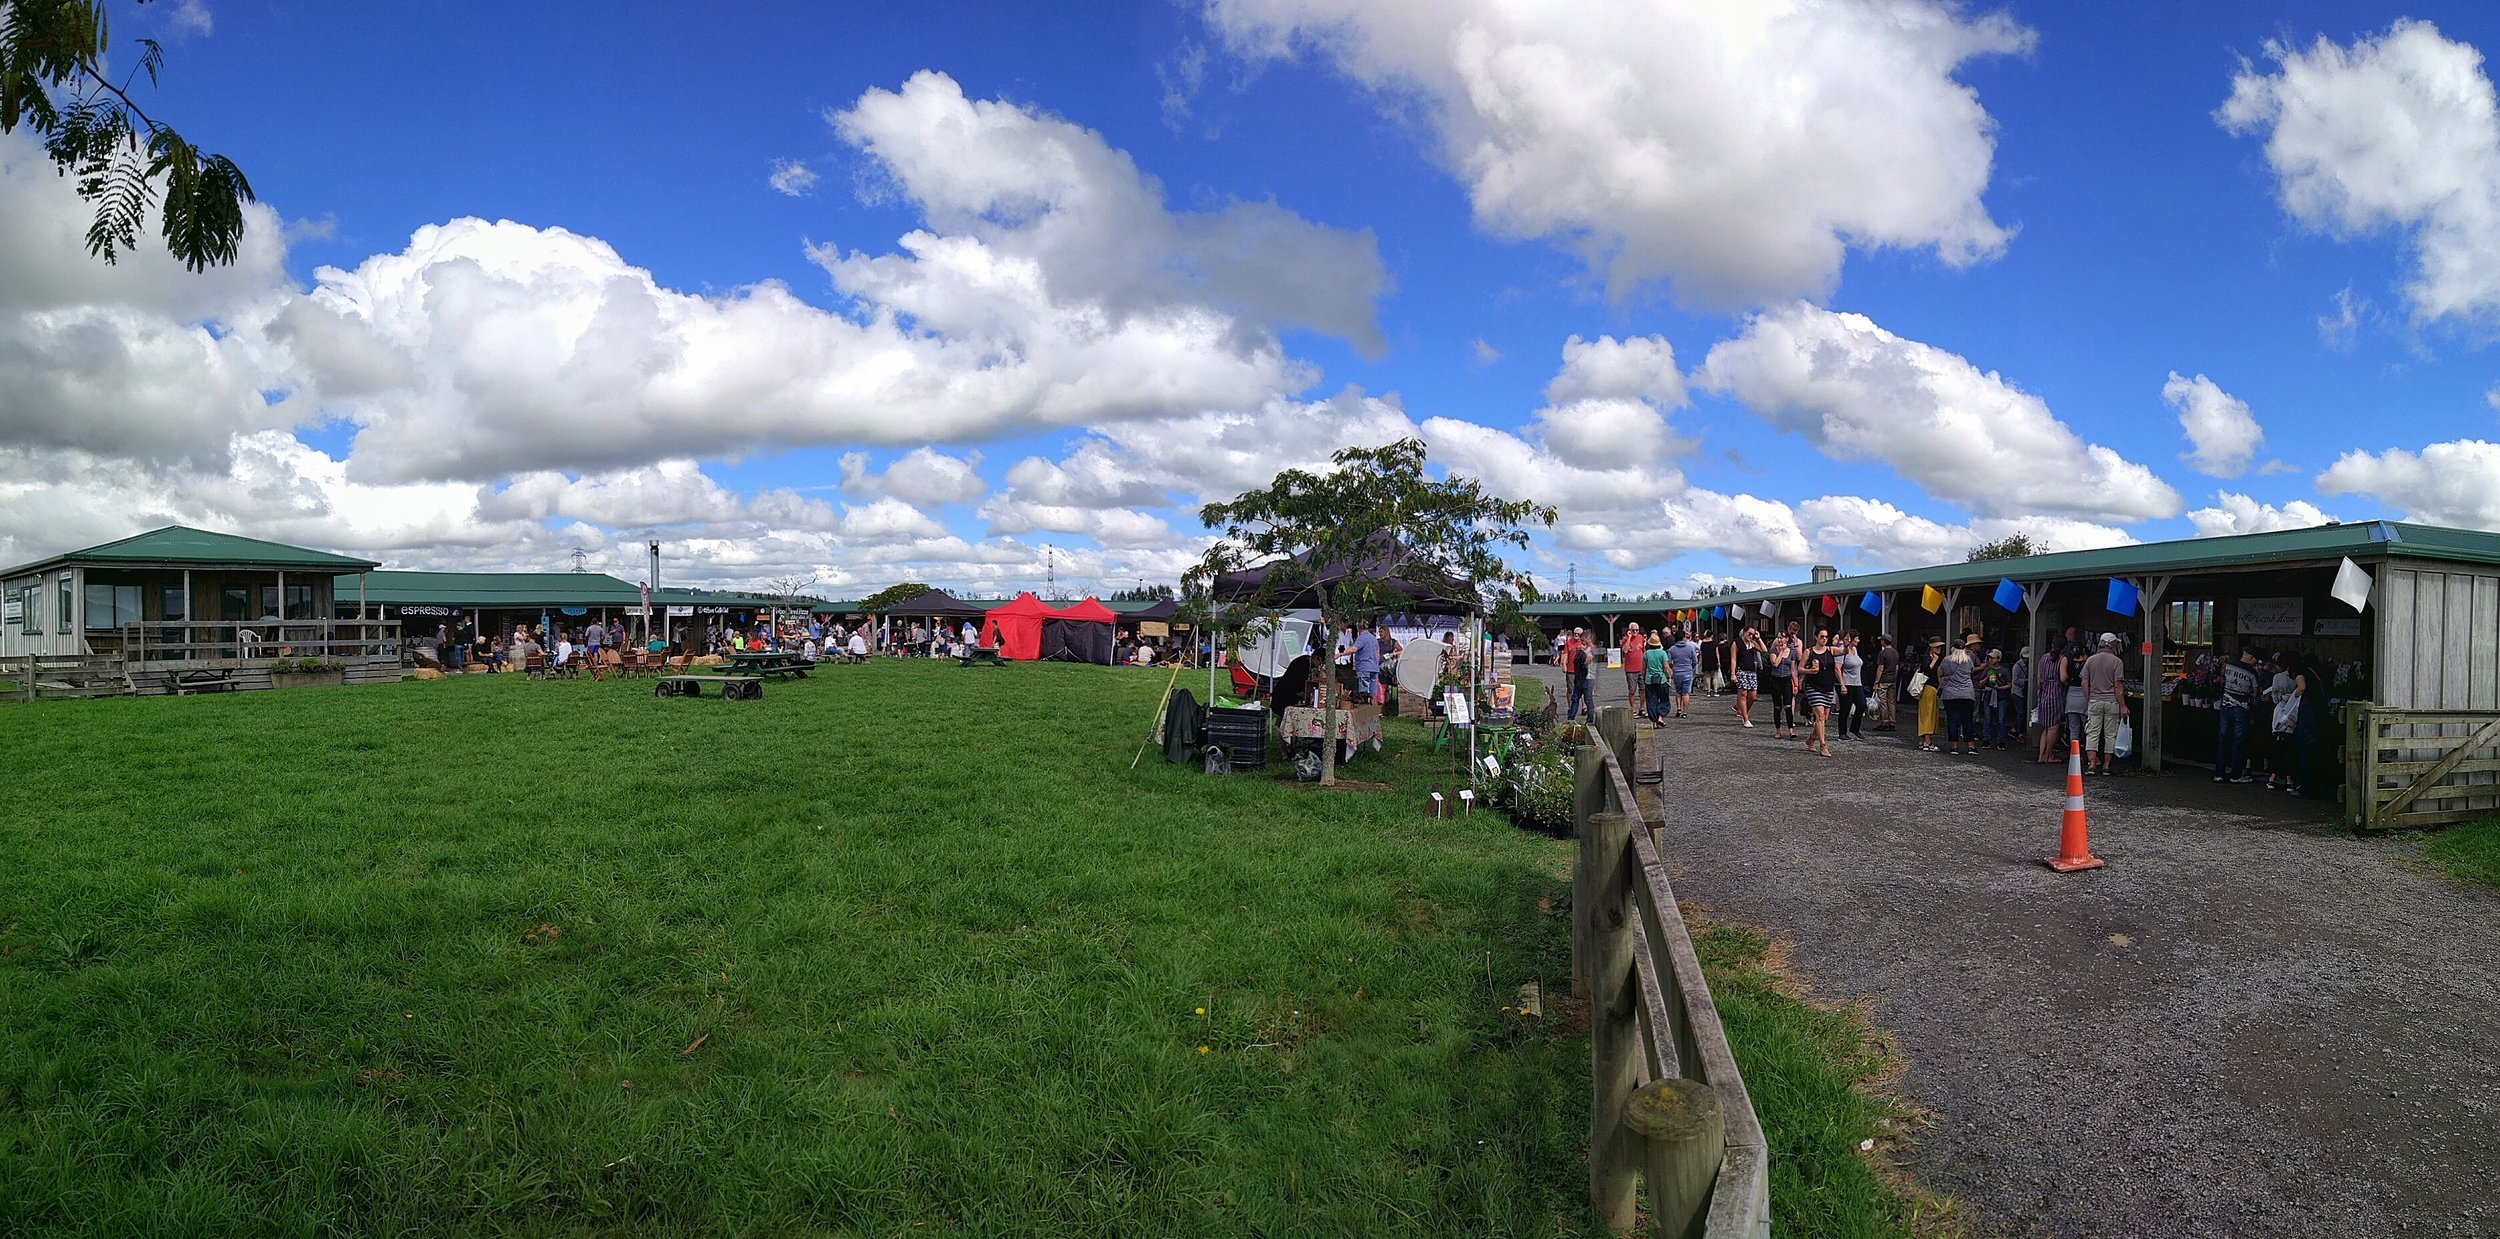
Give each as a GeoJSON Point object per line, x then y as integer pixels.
{"type": "Point", "coordinates": [2352, 586]}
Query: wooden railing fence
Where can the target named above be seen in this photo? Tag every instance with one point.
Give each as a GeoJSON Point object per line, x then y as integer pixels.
{"type": "Point", "coordinates": [2407, 769]}
{"type": "Point", "coordinates": [1668, 1106]}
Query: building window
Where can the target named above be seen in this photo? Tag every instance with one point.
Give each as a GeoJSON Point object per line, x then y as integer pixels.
{"type": "Point", "coordinates": [111, 606]}
{"type": "Point", "coordinates": [170, 601]}
{"type": "Point", "coordinates": [299, 602]}
{"type": "Point", "coordinates": [234, 602]}
{"type": "Point", "coordinates": [69, 614]}
{"type": "Point", "coordinates": [2192, 623]}
{"type": "Point", "coordinates": [29, 605]}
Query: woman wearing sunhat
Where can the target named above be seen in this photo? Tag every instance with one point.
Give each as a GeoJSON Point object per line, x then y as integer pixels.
{"type": "Point", "coordinates": [1930, 696]}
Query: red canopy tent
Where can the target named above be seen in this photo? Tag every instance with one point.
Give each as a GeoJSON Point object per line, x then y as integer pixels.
{"type": "Point", "coordinates": [1015, 630]}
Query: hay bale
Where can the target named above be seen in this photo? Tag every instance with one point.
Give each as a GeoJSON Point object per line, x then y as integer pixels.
{"type": "Point", "coordinates": [426, 673]}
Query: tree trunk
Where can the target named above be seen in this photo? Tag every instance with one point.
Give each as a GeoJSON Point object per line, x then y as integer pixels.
{"type": "Point", "coordinates": [1326, 662]}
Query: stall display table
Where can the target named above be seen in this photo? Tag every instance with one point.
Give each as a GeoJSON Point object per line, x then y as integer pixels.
{"type": "Point", "coordinates": [1354, 726]}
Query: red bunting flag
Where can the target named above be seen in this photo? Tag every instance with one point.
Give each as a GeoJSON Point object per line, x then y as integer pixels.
{"type": "Point", "coordinates": [1831, 605]}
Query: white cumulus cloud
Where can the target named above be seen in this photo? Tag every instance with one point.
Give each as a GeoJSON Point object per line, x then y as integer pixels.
{"type": "Point", "coordinates": [2235, 513]}
{"type": "Point", "coordinates": [2223, 436]}
{"type": "Point", "coordinates": [1736, 149]}
{"type": "Point", "coordinates": [1964, 435]}
{"type": "Point", "coordinates": [2395, 131]}
{"type": "Point", "coordinates": [2453, 483]}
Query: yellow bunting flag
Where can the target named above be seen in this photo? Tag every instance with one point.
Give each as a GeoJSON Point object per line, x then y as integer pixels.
{"type": "Point", "coordinates": [1931, 598]}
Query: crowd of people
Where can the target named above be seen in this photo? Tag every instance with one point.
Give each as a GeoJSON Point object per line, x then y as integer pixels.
{"type": "Point", "coordinates": [1962, 695]}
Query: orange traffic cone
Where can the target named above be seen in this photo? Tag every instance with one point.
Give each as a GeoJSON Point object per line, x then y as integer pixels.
{"type": "Point", "coordinates": [2074, 844]}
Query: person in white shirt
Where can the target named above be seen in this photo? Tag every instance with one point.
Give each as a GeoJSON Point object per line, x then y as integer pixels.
{"type": "Point", "coordinates": [564, 650]}
{"type": "Point", "coordinates": [859, 645]}
{"type": "Point", "coordinates": [807, 650]}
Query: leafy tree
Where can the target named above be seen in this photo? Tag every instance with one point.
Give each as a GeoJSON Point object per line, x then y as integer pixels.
{"type": "Point", "coordinates": [53, 82]}
{"type": "Point", "coordinates": [1144, 593]}
{"type": "Point", "coordinates": [2011, 546]}
{"type": "Point", "coordinates": [892, 594]}
{"type": "Point", "coordinates": [1372, 535]}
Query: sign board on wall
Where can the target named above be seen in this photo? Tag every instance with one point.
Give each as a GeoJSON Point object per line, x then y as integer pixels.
{"type": "Point", "coordinates": [1153, 628]}
{"type": "Point", "coordinates": [2338, 626]}
{"type": "Point", "coordinates": [681, 612]}
{"type": "Point", "coordinates": [2270, 617]}
{"type": "Point", "coordinates": [413, 609]}
{"type": "Point", "coordinates": [14, 610]}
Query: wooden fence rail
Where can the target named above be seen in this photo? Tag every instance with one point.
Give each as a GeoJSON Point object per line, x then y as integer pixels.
{"type": "Point", "coordinates": [1668, 1105]}
{"type": "Point", "coordinates": [2407, 769]}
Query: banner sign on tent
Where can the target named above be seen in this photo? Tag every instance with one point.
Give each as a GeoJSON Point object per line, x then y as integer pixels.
{"type": "Point", "coordinates": [2271, 617]}
{"type": "Point", "coordinates": [2009, 595]}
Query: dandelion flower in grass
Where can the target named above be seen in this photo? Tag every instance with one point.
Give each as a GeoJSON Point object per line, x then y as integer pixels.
{"type": "Point", "coordinates": [1202, 1049]}
{"type": "Point", "coordinates": [1202, 1010]}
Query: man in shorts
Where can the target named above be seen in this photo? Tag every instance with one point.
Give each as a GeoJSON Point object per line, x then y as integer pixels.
{"type": "Point", "coordinates": [2104, 703]}
{"type": "Point", "coordinates": [1683, 662]}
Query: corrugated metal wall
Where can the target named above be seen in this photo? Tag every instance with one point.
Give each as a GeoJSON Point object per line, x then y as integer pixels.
{"type": "Point", "coordinates": [2438, 637]}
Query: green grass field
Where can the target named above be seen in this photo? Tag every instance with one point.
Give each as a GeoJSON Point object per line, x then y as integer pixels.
{"type": "Point", "coordinates": [903, 949]}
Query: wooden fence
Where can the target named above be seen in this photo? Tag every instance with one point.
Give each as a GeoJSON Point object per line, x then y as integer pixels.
{"type": "Point", "coordinates": [2406, 769]}
{"type": "Point", "coordinates": [179, 657]}
{"type": "Point", "coordinates": [1669, 1106]}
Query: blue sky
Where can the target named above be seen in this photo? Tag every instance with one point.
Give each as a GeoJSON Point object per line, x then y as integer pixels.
{"type": "Point", "coordinates": [2029, 217]}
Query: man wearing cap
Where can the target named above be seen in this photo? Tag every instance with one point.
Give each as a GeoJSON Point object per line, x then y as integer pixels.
{"type": "Point", "coordinates": [2105, 703]}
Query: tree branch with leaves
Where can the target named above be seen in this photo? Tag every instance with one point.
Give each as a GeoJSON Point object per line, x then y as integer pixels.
{"type": "Point", "coordinates": [53, 82]}
{"type": "Point", "coordinates": [1372, 535]}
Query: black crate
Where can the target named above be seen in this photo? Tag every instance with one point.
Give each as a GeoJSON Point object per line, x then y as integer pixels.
{"type": "Point", "coordinates": [1241, 733]}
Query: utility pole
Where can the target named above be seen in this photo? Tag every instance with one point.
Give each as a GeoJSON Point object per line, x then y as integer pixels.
{"type": "Point", "coordinates": [654, 603]}
{"type": "Point", "coordinates": [1050, 572]}
{"type": "Point", "coordinates": [1572, 588]}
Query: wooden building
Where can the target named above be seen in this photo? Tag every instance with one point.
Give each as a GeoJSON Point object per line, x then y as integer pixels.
{"type": "Point", "coordinates": [177, 609]}
{"type": "Point", "coordinates": [2422, 656]}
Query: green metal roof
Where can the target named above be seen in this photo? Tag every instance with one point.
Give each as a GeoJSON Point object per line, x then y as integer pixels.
{"type": "Point", "coordinates": [2368, 540]}
{"type": "Point", "coordinates": [490, 589]}
{"type": "Point", "coordinates": [182, 545]}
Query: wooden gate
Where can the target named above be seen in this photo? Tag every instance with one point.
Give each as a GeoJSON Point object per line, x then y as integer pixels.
{"type": "Point", "coordinates": [2406, 769]}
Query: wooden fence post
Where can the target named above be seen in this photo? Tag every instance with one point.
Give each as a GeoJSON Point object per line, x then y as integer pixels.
{"type": "Point", "coordinates": [1588, 798]}
{"type": "Point", "coordinates": [1682, 1133]}
{"type": "Point", "coordinates": [1614, 1023]}
{"type": "Point", "coordinates": [1616, 724]}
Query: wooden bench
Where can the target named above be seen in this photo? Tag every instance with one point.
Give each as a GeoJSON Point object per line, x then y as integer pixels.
{"type": "Point", "coordinates": [732, 687]}
{"type": "Point", "coordinates": [977, 656]}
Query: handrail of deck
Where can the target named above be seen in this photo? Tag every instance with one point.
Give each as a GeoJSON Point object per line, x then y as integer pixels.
{"type": "Point", "coordinates": [1669, 1106]}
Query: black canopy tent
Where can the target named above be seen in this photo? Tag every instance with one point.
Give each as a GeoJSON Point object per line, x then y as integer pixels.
{"type": "Point", "coordinates": [1420, 590]}
{"type": "Point", "coordinates": [936, 604]}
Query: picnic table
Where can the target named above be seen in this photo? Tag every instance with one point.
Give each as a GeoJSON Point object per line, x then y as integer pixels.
{"type": "Point", "coordinates": [732, 687]}
{"type": "Point", "coordinates": [976, 656]}
{"type": "Point", "coordinates": [768, 663]}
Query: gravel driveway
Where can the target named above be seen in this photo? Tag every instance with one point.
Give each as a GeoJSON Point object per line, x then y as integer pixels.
{"type": "Point", "coordinates": [2248, 1024]}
